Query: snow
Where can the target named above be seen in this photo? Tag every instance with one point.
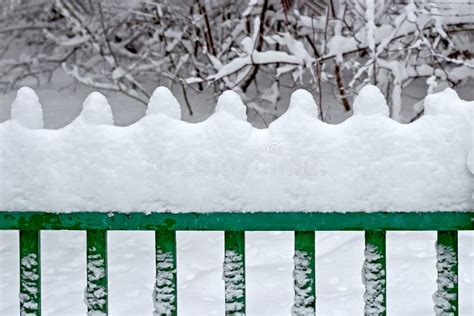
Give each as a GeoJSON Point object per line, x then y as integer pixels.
{"type": "Point", "coordinates": [370, 101]}
{"type": "Point", "coordinates": [304, 301]}
{"type": "Point", "coordinates": [370, 24]}
{"type": "Point", "coordinates": [95, 295]}
{"type": "Point", "coordinates": [163, 102]}
{"type": "Point", "coordinates": [230, 102]}
{"type": "Point", "coordinates": [369, 162]}
{"type": "Point", "coordinates": [447, 280]}
{"type": "Point", "coordinates": [26, 109]}
{"type": "Point", "coordinates": [261, 58]}
{"type": "Point", "coordinates": [96, 110]}
{"type": "Point", "coordinates": [163, 294]}
{"type": "Point", "coordinates": [372, 276]}
{"type": "Point", "coordinates": [448, 102]}
{"type": "Point", "coordinates": [411, 279]}
{"type": "Point", "coordinates": [338, 45]}
{"type": "Point", "coordinates": [302, 100]}
{"type": "Point", "coordinates": [162, 163]}
{"type": "Point", "coordinates": [470, 161]}
{"type": "Point", "coordinates": [30, 275]}
{"type": "Point", "coordinates": [234, 282]}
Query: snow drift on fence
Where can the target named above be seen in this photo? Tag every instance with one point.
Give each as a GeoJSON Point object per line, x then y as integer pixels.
{"type": "Point", "coordinates": [369, 162]}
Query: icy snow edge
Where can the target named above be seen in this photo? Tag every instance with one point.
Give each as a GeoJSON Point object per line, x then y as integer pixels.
{"type": "Point", "coordinates": [160, 163]}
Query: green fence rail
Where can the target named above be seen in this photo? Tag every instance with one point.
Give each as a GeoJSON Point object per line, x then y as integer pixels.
{"type": "Point", "coordinates": [234, 224]}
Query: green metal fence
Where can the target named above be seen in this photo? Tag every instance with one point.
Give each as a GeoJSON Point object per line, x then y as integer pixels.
{"type": "Point", "coordinates": [234, 224]}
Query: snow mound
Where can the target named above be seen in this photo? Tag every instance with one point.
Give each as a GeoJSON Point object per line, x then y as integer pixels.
{"type": "Point", "coordinates": [96, 110]}
{"type": "Point", "coordinates": [26, 109]}
{"type": "Point", "coordinates": [370, 101]}
{"type": "Point", "coordinates": [230, 102]}
{"type": "Point", "coordinates": [448, 102]}
{"type": "Point", "coordinates": [367, 163]}
{"type": "Point", "coordinates": [163, 102]}
{"type": "Point", "coordinates": [302, 100]}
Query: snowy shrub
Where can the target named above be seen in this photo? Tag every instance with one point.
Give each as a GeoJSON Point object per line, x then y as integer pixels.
{"type": "Point", "coordinates": [262, 49]}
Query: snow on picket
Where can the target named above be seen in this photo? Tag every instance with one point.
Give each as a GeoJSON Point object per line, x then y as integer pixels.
{"type": "Point", "coordinates": [160, 163]}
{"type": "Point", "coordinates": [96, 110]}
{"type": "Point", "coordinates": [26, 109]}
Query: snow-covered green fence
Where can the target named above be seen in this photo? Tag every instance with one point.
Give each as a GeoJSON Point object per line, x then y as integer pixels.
{"type": "Point", "coordinates": [165, 175]}
{"type": "Point", "coordinates": [235, 224]}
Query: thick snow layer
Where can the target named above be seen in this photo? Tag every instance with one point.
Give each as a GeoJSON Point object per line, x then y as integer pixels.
{"type": "Point", "coordinates": [448, 102]}
{"type": "Point", "coordinates": [369, 162]}
{"type": "Point", "coordinates": [96, 110]}
{"type": "Point", "coordinates": [302, 100]}
{"type": "Point", "coordinates": [470, 162]}
{"type": "Point", "coordinates": [370, 101]}
{"type": "Point", "coordinates": [26, 109]}
{"type": "Point", "coordinates": [231, 103]}
{"type": "Point", "coordinates": [163, 102]}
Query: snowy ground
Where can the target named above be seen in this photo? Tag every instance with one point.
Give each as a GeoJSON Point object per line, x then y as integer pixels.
{"type": "Point", "coordinates": [411, 258]}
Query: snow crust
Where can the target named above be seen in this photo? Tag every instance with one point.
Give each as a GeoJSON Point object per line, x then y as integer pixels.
{"type": "Point", "coordinates": [160, 163]}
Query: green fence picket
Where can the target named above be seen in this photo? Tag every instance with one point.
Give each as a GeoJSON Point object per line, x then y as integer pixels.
{"type": "Point", "coordinates": [304, 274]}
{"type": "Point", "coordinates": [447, 297]}
{"type": "Point", "coordinates": [234, 272]}
{"type": "Point", "coordinates": [97, 285]}
{"type": "Point", "coordinates": [30, 272]}
{"type": "Point", "coordinates": [374, 273]}
{"type": "Point", "coordinates": [165, 299]}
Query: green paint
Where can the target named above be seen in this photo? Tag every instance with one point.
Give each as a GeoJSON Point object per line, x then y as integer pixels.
{"type": "Point", "coordinates": [165, 294]}
{"type": "Point", "coordinates": [30, 272]}
{"type": "Point", "coordinates": [304, 274]}
{"type": "Point", "coordinates": [375, 273]}
{"type": "Point", "coordinates": [447, 295]}
{"type": "Point", "coordinates": [97, 287]}
{"type": "Point", "coordinates": [238, 221]}
{"type": "Point", "coordinates": [234, 272]}
{"type": "Point", "coordinates": [234, 224]}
